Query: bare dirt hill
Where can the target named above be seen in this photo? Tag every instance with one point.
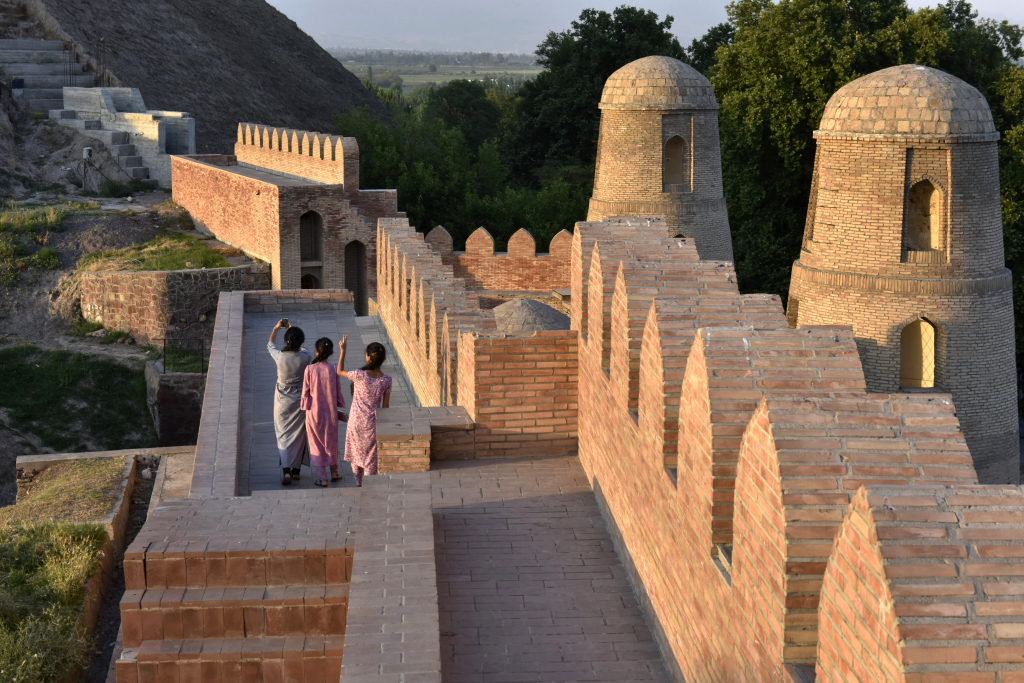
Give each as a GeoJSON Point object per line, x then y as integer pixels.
{"type": "Point", "coordinates": [223, 62]}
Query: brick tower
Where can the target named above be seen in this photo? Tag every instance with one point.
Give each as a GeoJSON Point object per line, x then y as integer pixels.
{"type": "Point", "coordinates": [904, 241]}
{"type": "Point", "coordinates": [658, 152]}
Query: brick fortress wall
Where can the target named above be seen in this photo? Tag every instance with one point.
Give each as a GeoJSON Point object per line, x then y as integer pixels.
{"type": "Point", "coordinates": [521, 268]}
{"type": "Point", "coordinates": [519, 391]}
{"type": "Point", "coordinates": [174, 304]}
{"type": "Point", "coordinates": [854, 268]}
{"type": "Point", "coordinates": [254, 200]}
{"type": "Point", "coordinates": [728, 451]}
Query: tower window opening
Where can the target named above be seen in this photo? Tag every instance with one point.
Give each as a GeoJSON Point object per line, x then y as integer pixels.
{"type": "Point", "coordinates": [924, 217]}
{"type": "Point", "coordinates": [675, 172]}
{"type": "Point", "coordinates": [310, 236]}
{"type": "Point", "coordinates": [917, 355]}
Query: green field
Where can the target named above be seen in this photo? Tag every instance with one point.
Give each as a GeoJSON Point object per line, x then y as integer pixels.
{"type": "Point", "coordinates": [414, 77]}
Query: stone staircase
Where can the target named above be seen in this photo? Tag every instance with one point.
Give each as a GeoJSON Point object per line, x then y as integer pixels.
{"type": "Point", "coordinates": [34, 68]}
{"type": "Point", "coordinates": [117, 142]}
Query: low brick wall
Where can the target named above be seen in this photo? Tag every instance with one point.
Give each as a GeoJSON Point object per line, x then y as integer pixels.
{"type": "Point", "coordinates": [176, 403]}
{"type": "Point", "coordinates": [172, 304]}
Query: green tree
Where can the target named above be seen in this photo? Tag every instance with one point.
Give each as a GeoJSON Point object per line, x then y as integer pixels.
{"type": "Point", "coordinates": [701, 53]}
{"type": "Point", "coordinates": [555, 119]}
{"type": "Point", "coordinates": [465, 104]}
{"type": "Point", "coordinates": [774, 79]}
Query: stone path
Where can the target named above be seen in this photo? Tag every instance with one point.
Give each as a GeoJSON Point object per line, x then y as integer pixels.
{"type": "Point", "coordinates": [529, 585]}
{"type": "Point", "coordinates": [259, 466]}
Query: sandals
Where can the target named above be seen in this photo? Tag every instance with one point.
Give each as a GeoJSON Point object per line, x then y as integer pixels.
{"type": "Point", "coordinates": [286, 479]}
{"type": "Point", "coordinates": [295, 473]}
{"type": "Point", "coordinates": [337, 477]}
{"type": "Point", "coordinates": [321, 482]}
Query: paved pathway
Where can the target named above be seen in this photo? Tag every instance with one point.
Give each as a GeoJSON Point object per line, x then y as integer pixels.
{"type": "Point", "coordinates": [260, 468]}
{"type": "Point", "coordinates": [529, 585]}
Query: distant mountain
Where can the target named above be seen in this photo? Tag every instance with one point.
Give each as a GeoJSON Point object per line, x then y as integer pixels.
{"type": "Point", "coordinates": [223, 62]}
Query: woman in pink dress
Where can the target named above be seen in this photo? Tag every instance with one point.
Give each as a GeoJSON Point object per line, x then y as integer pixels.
{"type": "Point", "coordinates": [371, 389]}
{"type": "Point", "coordinates": [322, 401]}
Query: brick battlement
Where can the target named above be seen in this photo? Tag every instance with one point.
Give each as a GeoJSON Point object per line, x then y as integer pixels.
{"type": "Point", "coordinates": [729, 451]}
{"type": "Point", "coordinates": [317, 157]}
{"type": "Point", "coordinates": [521, 268]}
{"type": "Point", "coordinates": [519, 391]}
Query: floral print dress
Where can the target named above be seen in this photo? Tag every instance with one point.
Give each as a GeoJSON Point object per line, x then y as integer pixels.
{"type": "Point", "coordinates": [361, 434]}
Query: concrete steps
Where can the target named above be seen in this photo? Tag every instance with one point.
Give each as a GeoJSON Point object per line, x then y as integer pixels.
{"type": "Point", "coordinates": [38, 70]}
{"type": "Point", "coordinates": [118, 142]}
{"type": "Point", "coordinates": [8, 44]}
{"type": "Point", "coordinates": [21, 69]}
{"type": "Point", "coordinates": [56, 81]}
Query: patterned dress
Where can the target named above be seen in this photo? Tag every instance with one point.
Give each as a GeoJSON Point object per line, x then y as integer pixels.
{"type": "Point", "coordinates": [321, 399]}
{"type": "Point", "coordinates": [361, 436]}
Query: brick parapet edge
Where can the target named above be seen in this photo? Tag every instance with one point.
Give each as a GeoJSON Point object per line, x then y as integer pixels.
{"type": "Point", "coordinates": [726, 449]}
{"type": "Point", "coordinates": [393, 618]}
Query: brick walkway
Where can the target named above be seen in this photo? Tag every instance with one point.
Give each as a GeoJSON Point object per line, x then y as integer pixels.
{"type": "Point", "coordinates": [529, 586]}
{"type": "Point", "coordinates": [260, 468]}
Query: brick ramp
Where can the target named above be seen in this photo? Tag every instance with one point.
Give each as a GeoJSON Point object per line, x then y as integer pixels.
{"type": "Point", "coordinates": [529, 585]}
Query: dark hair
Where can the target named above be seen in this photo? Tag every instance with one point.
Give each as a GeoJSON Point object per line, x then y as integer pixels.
{"type": "Point", "coordinates": [324, 349]}
{"type": "Point", "coordinates": [377, 355]}
{"type": "Point", "coordinates": [293, 338]}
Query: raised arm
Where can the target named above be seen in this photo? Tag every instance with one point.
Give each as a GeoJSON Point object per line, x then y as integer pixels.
{"type": "Point", "coordinates": [342, 349]}
{"type": "Point", "coordinates": [279, 325]}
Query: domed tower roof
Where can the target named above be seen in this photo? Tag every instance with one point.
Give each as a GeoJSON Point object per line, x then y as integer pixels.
{"type": "Point", "coordinates": [907, 100]}
{"type": "Point", "coordinates": [527, 316]}
{"type": "Point", "coordinates": [658, 83]}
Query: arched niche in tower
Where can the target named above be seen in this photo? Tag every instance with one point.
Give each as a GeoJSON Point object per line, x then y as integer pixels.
{"type": "Point", "coordinates": [675, 171]}
{"type": "Point", "coordinates": [924, 217]}
{"type": "Point", "coordinates": [311, 231]}
{"type": "Point", "coordinates": [917, 355]}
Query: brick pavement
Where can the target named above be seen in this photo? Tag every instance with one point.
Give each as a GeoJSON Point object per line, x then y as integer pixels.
{"type": "Point", "coordinates": [529, 585]}
{"type": "Point", "coordinates": [259, 467]}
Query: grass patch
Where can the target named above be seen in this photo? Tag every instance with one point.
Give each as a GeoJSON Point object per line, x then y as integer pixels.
{"type": "Point", "coordinates": [75, 491]}
{"type": "Point", "coordinates": [70, 401]}
{"type": "Point", "coordinates": [113, 335]}
{"type": "Point", "coordinates": [32, 220]}
{"type": "Point", "coordinates": [82, 327]}
{"type": "Point", "coordinates": [180, 360]}
{"type": "Point", "coordinates": [44, 568]}
{"type": "Point", "coordinates": [171, 251]}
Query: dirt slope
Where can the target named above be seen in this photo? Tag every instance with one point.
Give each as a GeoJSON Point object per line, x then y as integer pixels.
{"type": "Point", "coordinates": [224, 62]}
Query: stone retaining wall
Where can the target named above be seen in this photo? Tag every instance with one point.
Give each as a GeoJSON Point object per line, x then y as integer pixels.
{"type": "Point", "coordinates": [176, 403]}
{"type": "Point", "coordinates": [172, 304]}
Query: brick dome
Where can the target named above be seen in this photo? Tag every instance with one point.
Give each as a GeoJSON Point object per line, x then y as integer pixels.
{"type": "Point", "coordinates": [658, 83]}
{"type": "Point", "coordinates": [909, 100]}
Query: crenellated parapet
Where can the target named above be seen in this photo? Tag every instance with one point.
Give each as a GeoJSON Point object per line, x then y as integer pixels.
{"type": "Point", "coordinates": [519, 389]}
{"type": "Point", "coordinates": [309, 155]}
{"type": "Point", "coordinates": [727, 449]}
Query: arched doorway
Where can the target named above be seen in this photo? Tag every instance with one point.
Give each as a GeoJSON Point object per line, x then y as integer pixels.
{"type": "Point", "coordinates": [674, 171]}
{"type": "Point", "coordinates": [310, 281]}
{"type": "Point", "coordinates": [917, 355]}
{"type": "Point", "coordinates": [355, 274]}
{"type": "Point", "coordinates": [924, 217]}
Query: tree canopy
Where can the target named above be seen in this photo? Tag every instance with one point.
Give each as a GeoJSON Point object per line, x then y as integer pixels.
{"type": "Point", "coordinates": [786, 60]}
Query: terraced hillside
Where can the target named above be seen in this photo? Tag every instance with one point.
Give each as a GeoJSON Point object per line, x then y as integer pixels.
{"type": "Point", "coordinates": [223, 62]}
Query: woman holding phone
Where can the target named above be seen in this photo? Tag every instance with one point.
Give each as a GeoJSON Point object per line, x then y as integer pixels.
{"type": "Point", "coordinates": [289, 420]}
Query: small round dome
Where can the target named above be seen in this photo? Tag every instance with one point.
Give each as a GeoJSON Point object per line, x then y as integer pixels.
{"type": "Point", "coordinates": [658, 83]}
{"type": "Point", "coordinates": [907, 100]}
{"type": "Point", "coordinates": [521, 316]}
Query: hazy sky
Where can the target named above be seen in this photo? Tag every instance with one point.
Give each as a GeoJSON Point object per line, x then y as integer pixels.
{"type": "Point", "coordinates": [505, 25]}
